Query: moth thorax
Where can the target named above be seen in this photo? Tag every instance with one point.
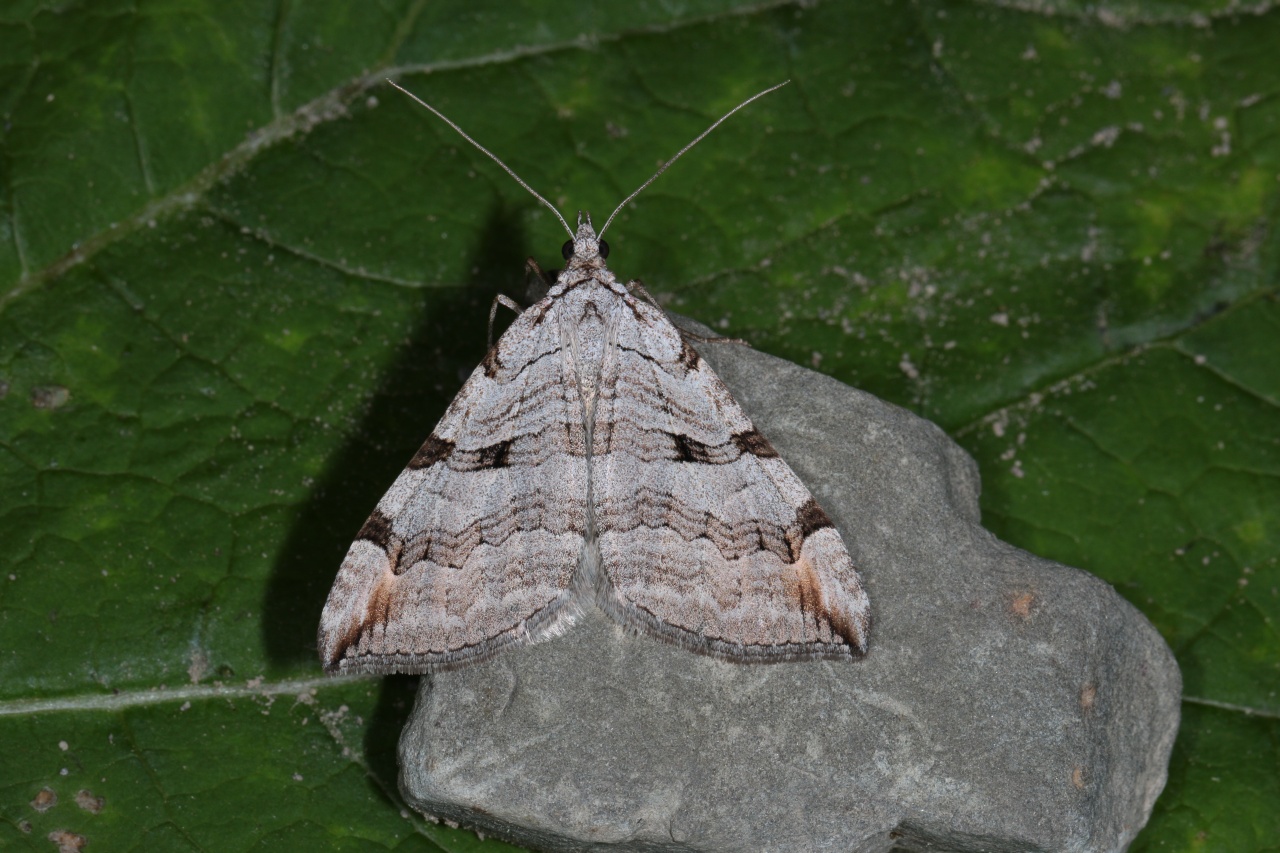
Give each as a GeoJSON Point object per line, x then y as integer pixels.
{"type": "Point", "coordinates": [591, 351]}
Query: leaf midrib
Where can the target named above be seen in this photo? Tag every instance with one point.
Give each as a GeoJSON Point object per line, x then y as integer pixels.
{"type": "Point", "coordinates": [124, 699]}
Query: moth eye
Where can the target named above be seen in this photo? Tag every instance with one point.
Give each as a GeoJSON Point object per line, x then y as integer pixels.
{"type": "Point", "coordinates": [567, 249]}
{"type": "Point", "coordinates": [604, 249]}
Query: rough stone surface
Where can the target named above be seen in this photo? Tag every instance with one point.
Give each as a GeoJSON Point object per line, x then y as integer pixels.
{"type": "Point", "coordinates": [1008, 703]}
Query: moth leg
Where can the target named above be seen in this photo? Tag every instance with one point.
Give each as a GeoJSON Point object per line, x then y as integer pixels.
{"type": "Point", "coordinates": [537, 282]}
{"type": "Point", "coordinates": [505, 301]}
{"type": "Point", "coordinates": [637, 286]}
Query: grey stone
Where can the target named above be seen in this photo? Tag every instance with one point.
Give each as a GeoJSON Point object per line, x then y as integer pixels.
{"type": "Point", "coordinates": [1008, 703]}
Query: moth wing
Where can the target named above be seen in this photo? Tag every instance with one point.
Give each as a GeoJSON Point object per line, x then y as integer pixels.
{"type": "Point", "coordinates": [473, 547]}
{"type": "Point", "coordinates": [707, 539]}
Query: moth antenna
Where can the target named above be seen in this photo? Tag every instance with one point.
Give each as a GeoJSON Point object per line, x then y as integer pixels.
{"type": "Point", "coordinates": [551, 207]}
{"type": "Point", "coordinates": [679, 154]}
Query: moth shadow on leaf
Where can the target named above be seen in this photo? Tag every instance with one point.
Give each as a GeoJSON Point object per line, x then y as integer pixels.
{"type": "Point", "coordinates": [433, 362]}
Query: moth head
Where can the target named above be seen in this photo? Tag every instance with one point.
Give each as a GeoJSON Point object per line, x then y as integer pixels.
{"type": "Point", "coordinates": [585, 245]}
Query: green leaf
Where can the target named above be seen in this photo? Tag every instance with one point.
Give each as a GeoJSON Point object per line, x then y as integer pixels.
{"type": "Point", "coordinates": [242, 278]}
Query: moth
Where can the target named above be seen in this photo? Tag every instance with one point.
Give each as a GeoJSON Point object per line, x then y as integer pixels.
{"type": "Point", "coordinates": [593, 459]}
